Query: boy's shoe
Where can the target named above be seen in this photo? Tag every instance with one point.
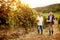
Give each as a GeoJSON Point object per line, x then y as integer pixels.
{"type": "Point", "coordinates": [52, 31]}
{"type": "Point", "coordinates": [38, 31]}
{"type": "Point", "coordinates": [42, 33]}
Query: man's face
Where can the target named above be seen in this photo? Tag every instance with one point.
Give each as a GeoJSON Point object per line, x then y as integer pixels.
{"type": "Point", "coordinates": [51, 13]}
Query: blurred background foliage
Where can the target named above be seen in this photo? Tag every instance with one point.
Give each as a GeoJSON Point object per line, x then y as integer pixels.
{"type": "Point", "coordinates": [17, 14]}
{"type": "Point", "coordinates": [47, 9]}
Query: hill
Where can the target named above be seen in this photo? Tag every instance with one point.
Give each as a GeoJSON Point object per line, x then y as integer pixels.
{"type": "Point", "coordinates": [53, 8]}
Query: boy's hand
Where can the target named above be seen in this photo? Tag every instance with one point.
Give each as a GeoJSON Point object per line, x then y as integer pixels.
{"type": "Point", "coordinates": [37, 20]}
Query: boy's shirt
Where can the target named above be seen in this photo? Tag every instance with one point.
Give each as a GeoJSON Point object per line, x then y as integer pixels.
{"type": "Point", "coordinates": [40, 20]}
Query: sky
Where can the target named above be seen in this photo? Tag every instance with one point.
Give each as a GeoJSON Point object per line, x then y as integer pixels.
{"type": "Point", "coordinates": [40, 3]}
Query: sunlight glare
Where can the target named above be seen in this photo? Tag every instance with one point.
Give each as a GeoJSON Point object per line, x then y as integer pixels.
{"type": "Point", "coordinates": [0, 5]}
{"type": "Point", "coordinates": [5, 0]}
{"type": "Point", "coordinates": [14, 7]}
{"type": "Point", "coordinates": [39, 3]}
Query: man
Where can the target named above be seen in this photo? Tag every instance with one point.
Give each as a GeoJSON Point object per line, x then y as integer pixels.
{"type": "Point", "coordinates": [40, 23]}
{"type": "Point", "coordinates": [51, 22]}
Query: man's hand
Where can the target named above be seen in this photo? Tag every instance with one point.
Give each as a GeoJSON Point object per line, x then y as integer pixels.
{"type": "Point", "coordinates": [48, 20]}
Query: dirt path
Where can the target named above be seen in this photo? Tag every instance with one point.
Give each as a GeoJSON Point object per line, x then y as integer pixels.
{"type": "Point", "coordinates": [35, 36]}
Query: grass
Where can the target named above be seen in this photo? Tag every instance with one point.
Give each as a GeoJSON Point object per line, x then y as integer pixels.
{"type": "Point", "coordinates": [56, 15]}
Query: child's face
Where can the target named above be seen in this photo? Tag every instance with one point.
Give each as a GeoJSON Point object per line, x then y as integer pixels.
{"type": "Point", "coordinates": [38, 14]}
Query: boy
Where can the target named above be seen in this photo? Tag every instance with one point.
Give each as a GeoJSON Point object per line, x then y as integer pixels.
{"type": "Point", "coordinates": [40, 23]}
